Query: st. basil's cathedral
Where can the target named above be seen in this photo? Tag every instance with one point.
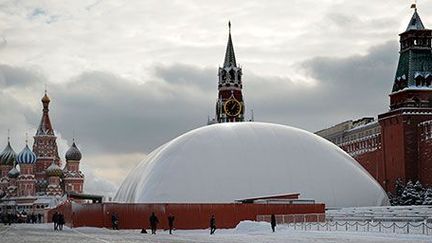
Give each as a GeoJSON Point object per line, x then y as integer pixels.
{"type": "Point", "coordinates": [33, 179]}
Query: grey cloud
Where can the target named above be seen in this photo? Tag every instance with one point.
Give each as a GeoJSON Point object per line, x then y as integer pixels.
{"type": "Point", "coordinates": [180, 74]}
{"type": "Point", "coordinates": [346, 88]}
{"type": "Point", "coordinates": [113, 114]}
{"type": "Point", "coordinates": [18, 77]}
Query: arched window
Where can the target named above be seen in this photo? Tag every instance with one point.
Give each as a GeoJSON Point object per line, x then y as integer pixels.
{"type": "Point", "coordinates": [232, 74]}
{"type": "Point", "coordinates": [416, 101]}
{"type": "Point", "coordinates": [420, 81]}
{"type": "Point", "coordinates": [428, 80]}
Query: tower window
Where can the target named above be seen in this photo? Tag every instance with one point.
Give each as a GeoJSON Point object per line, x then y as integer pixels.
{"type": "Point", "coordinates": [232, 75]}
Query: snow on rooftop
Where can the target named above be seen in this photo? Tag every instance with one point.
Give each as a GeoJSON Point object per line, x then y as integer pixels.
{"type": "Point", "coordinates": [224, 162]}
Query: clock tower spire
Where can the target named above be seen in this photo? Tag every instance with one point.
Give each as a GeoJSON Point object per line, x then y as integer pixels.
{"type": "Point", "coordinates": [230, 105]}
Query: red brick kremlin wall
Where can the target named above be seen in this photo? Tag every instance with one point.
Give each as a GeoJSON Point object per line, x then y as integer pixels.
{"type": "Point", "coordinates": [402, 150]}
{"type": "Point", "coordinates": [187, 216]}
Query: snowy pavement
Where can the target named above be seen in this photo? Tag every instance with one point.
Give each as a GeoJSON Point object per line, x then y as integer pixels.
{"type": "Point", "coordinates": [249, 232]}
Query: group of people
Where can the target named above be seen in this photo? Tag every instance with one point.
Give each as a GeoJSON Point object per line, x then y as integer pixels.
{"type": "Point", "coordinates": [23, 217]}
{"type": "Point", "coordinates": [154, 221]}
{"type": "Point", "coordinates": [58, 220]}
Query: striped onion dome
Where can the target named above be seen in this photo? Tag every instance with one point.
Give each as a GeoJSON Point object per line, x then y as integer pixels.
{"type": "Point", "coordinates": [26, 156]}
{"type": "Point", "coordinates": [13, 173]}
{"type": "Point", "coordinates": [73, 153]}
{"type": "Point", "coordinates": [54, 170]}
{"type": "Point", "coordinates": [7, 157]}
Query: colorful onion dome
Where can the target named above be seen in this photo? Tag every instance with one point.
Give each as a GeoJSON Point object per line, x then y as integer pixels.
{"type": "Point", "coordinates": [73, 153]}
{"type": "Point", "coordinates": [13, 173]}
{"type": "Point", "coordinates": [7, 157]}
{"type": "Point", "coordinates": [26, 156]}
{"type": "Point", "coordinates": [54, 170]}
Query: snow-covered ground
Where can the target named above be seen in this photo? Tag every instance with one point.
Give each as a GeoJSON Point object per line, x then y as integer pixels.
{"type": "Point", "coordinates": [245, 232]}
{"type": "Point", "coordinates": [389, 214]}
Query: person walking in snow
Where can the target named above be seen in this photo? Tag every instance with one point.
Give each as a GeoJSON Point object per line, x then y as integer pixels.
{"type": "Point", "coordinates": [55, 219]}
{"type": "Point", "coordinates": [114, 221]}
{"type": "Point", "coordinates": [61, 221]}
{"type": "Point", "coordinates": [273, 222]}
{"type": "Point", "coordinates": [212, 224]}
{"type": "Point", "coordinates": [171, 223]}
{"type": "Point", "coordinates": [153, 223]}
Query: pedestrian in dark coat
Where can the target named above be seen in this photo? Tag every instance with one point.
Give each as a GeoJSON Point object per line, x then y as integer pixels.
{"type": "Point", "coordinates": [153, 223]}
{"type": "Point", "coordinates": [212, 224]}
{"type": "Point", "coordinates": [171, 223]}
{"type": "Point", "coordinates": [11, 218]}
{"type": "Point", "coordinates": [115, 222]}
{"type": "Point", "coordinates": [55, 219]}
{"type": "Point", "coordinates": [33, 218]}
{"type": "Point", "coordinates": [39, 218]}
{"type": "Point", "coordinates": [61, 221]}
{"type": "Point", "coordinates": [273, 222]}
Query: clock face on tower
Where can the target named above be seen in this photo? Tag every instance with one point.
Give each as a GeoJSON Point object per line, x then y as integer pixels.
{"type": "Point", "coordinates": [232, 107]}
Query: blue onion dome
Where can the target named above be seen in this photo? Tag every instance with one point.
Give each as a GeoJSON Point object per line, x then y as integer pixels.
{"type": "Point", "coordinates": [7, 157]}
{"type": "Point", "coordinates": [26, 156]}
{"type": "Point", "coordinates": [54, 170]}
{"type": "Point", "coordinates": [13, 173]}
{"type": "Point", "coordinates": [73, 153]}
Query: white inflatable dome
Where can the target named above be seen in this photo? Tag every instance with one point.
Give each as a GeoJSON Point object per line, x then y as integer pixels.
{"type": "Point", "coordinates": [224, 162]}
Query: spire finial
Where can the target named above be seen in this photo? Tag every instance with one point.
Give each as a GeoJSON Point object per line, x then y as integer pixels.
{"type": "Point", "coordinates": [73, 136]}
{"type": "Point", "coordinates": [414, 5]}
{"type": "Point", "coordinates": [229, 26]}
{"type": "Point", "coordinates": [26, 140]}
{"type": "Point", "coordinates": [8, 135]}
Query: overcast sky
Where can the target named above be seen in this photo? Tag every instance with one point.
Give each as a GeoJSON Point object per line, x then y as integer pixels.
{"type": "Point", "coordinates": [128, 76]}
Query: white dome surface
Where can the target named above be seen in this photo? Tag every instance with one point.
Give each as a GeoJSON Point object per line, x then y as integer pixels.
{"type": "Point", "coordinates": [224, 162]}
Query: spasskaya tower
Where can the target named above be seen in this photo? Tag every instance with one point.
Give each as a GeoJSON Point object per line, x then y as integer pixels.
{"type": "Point", "coordinates": [230, 105]}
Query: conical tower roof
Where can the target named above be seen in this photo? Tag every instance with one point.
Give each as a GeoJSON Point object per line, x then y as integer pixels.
{"type": "Point", "coordinates": [230, 59]}
{"type": "Point", "coordinates": [415, 22]}
{"type": "Point", "coordinates": [45, 127]}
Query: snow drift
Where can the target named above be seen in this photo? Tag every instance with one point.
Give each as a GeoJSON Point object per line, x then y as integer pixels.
{"type": "Point", "coordinates": [224, 162]}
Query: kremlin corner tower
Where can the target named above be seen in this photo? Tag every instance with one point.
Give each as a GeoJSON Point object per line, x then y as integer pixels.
{"type": "Point", "coordinates": [398, 145]}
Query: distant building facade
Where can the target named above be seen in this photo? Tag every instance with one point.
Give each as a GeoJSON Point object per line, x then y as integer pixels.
{"type": "Point", "coordinates": [399, 143]}
{"type": "Point", "coordinates": [33, 180]}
